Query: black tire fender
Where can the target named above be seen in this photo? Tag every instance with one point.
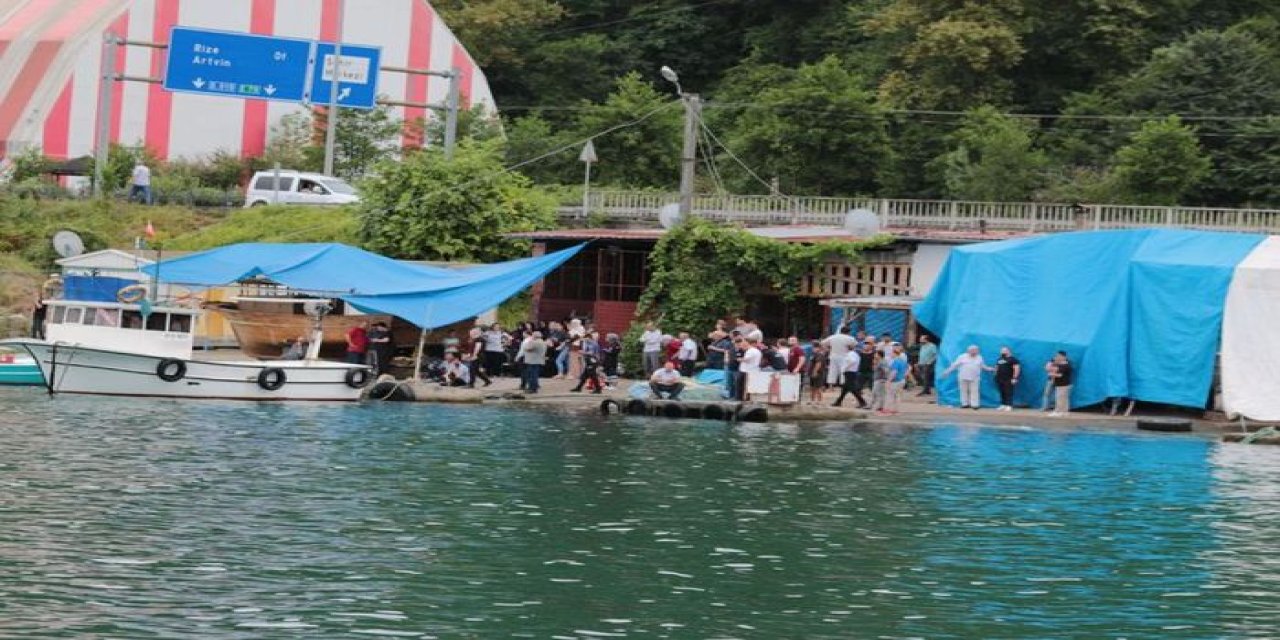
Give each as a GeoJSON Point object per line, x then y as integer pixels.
{"type": "Point", "coordinates": [637, 407]}
{"type": "Point", "coordinates": [171, 370]}
{"type": "Point", "coordinates": [358, 378]}
{"type": "Point", "coordinates": [272, 378]}
{"type": "Point", "coordinates": [714, 412]}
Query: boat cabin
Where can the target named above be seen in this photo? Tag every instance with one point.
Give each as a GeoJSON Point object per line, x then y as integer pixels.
{"type": "Point", "coordinates": [165, 332]}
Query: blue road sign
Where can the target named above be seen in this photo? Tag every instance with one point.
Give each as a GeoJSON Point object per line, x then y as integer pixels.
{"type": "Point", "coordinates": [238, 65]}
{"type": "Point", "coordinates": [358, 81]}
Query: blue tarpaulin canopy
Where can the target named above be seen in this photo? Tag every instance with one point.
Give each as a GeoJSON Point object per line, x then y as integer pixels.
{"type": "Point", "coordinates": [426, 296]}
{"type": "Point", "coordinates": [1139, 312]}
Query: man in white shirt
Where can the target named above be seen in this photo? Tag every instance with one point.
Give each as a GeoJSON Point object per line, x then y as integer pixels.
{"type": "Point", "coordinates": [687, 355]}
{"type": "Point", "coordinates": [839, 345]}
{"type": "Point", "coordinates": [652, 341]}
{"type": "Point", "coordinates": [847, 368]}
{"type": "Point", "coordinates": [749, 363]}
{"type": "Point", "coordinates": [666, 380]}
{"type": "Point", "coordinates": [495, 349]}
{"type": "Point", "coordinates": [970, 365]}
{"type": "Point", "coordinates": [141, 183]}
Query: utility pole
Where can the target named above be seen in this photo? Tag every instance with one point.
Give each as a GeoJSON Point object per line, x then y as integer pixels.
{"type": "Point", "coordinates": [451, 112]}
{"type": "Point", "coordinates": [331, 132]}
{"type": "Point", "coordinates": [102, 138]}
{"type": "Point", "coordinates": [689, 156]}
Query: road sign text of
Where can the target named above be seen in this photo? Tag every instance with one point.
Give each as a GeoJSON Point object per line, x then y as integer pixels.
{"type": "Point", "coordinates": [238, 65]}
{"type": "Point", "coordinates": [358, 75]}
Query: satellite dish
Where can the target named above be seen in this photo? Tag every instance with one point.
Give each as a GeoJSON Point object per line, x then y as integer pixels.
{"type": "Point", "coordinates": [317, 308]}
{"type": "Point", "coordinates": [68, 244]}
{"type": "Point", "coordinates": [863, 223]}
{"type": "Point", "coordinates": [669, 215]}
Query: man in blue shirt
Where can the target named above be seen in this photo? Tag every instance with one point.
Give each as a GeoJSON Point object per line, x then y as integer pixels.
{"type": "Point", "coordinates": [897, 365]}
{"type": "Point", "coordinates": [925, 364]}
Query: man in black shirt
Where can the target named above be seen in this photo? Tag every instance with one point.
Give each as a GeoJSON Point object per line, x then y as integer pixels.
{"type": "Point", "coordinates": [1063, 377]}
{"type": "Point", "coordinates": [1008, 370]}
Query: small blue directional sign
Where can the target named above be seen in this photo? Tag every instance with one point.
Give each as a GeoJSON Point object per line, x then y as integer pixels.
{"type": "Point", "coordinates": [238, 65]}
{"type": "Point", "coordinates": [358, 79]}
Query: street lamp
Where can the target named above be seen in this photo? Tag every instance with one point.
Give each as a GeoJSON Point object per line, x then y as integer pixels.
{"type": "Point", "coordinates": [671, 76]}
{"type": "Point", "coordinates": [689, 153]}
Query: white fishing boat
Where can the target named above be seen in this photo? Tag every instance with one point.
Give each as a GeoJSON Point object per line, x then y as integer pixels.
{"type": "Point", "coordinates": [139, 350]}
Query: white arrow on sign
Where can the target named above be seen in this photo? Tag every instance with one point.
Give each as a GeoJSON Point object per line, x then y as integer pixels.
{"type": "Point", "coordinates": [270, 89]}
{"type": "Point", "coordinates": [198, 82]}
{"type": "Point", "coordinates": [344, 94]}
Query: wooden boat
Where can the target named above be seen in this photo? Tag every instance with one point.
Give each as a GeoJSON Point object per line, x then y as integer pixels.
{"type": "Point", "coordinates": [262, 325]}
{"type": "Point", "coordinates": [263, 333]}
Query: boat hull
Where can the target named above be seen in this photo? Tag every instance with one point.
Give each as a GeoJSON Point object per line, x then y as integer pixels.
{"type": "Point", "coordinates": [75, 369]}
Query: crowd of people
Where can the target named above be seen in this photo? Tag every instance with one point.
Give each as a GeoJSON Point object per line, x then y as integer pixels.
{"type": "Point", "coordinates": [875, 371]}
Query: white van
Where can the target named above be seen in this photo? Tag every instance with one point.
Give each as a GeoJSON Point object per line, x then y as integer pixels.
{"type": "Point", "coordinates": [297, 187]}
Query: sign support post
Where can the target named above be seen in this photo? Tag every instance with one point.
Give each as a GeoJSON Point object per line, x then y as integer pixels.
{"type": "Point", "coordinates": [102, 137]}
{"type": "Point", "coordinates": [331, 132]}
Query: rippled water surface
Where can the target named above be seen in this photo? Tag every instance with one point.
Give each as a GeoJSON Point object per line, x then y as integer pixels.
{"type": "Point", "coordinates": [154, 519]}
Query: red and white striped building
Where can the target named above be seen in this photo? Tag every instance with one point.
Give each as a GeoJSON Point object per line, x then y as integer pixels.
{"type": "Point", "coordinates": [51, 57]}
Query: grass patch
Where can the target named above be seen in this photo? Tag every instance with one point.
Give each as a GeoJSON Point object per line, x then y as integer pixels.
{"type": "Point", "coordinates": [273, 224]}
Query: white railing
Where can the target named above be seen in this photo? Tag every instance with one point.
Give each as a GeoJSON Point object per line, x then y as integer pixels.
{"type": "Point", "coordinates": [957, 215]}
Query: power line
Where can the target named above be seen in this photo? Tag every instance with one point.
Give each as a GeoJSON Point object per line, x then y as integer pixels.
{"type": "Point", "coordinates": [1011, 114]}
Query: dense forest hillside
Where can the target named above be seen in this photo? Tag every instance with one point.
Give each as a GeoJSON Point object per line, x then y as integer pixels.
{"type": "Point", "coordinates": [1144, 101]}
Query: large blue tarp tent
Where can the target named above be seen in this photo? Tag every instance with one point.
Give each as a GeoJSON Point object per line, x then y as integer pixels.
{"type": "Point", "coordinates": [1138, 312]}
{"type": "Point", "coordinates": [426, 296]}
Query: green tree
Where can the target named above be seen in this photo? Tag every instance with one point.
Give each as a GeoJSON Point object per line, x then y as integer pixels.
{"type": "Point", "coordinates": [949, 54]}
{"type": "Point", "coordinates": [425, 207]}
{"type": "Point", "coordinates": [645, 154]}
{"type": "Point", "coordinates": [700, 271]}
{"type": "Point", "coordinates": [363, 138]}
{"type": "Point", "coordinates": [992, 159]}
{"type": "Point", "coordinates": [289, 141]}
{"type": "Point", "coordinates": [817, 130]}
{"type": "Point", "coordinates": [1161, 164]}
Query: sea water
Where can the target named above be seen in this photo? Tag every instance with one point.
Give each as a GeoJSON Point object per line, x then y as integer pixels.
{"type": "Point", "coordinates": [144, 519]}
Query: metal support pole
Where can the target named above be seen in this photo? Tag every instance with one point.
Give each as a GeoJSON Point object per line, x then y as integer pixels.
{"type": "Point", "coordinates": [689, 155]}
{"type": "Point", "coordinates": [275, 194]}
{"type": "Point", "coordinates": [451, 115]}
{"type": "Point", "coordinates": [586, 192]}
{"type": "Point", "coordinates": [331, 132]}
{"type": "Point", "coordinates": [102, 137]}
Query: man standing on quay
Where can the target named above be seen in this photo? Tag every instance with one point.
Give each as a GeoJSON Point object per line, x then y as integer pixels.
{"type": "Point", "coordinates": [971, 365]}
{"type": "Point", "coordinates": [652, 341]}
{"type": "Point", "coordinates": [533, 352]}
{"type": "Point", "coordinates": [925, 364]}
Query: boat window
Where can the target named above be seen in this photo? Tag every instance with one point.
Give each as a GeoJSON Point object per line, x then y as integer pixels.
{"type": "Point", "coordinates": [104, 318]}
{"type": "Point", "coordinates": [132, 320]}
{"type": "Point", "coordinates": [59, 312]}
{"type": "Point", "coordinates": [74, 315]}
{"type": "Point", "coordinates": [179, 323]}
{"type": "Point", "coordinates": [157, 321]}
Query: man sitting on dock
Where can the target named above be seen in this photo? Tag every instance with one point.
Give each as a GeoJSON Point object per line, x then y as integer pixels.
{"type": "Point", "coordinates": [666, 380]}
{"type": "Point", "coordinates": [456, 372]}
